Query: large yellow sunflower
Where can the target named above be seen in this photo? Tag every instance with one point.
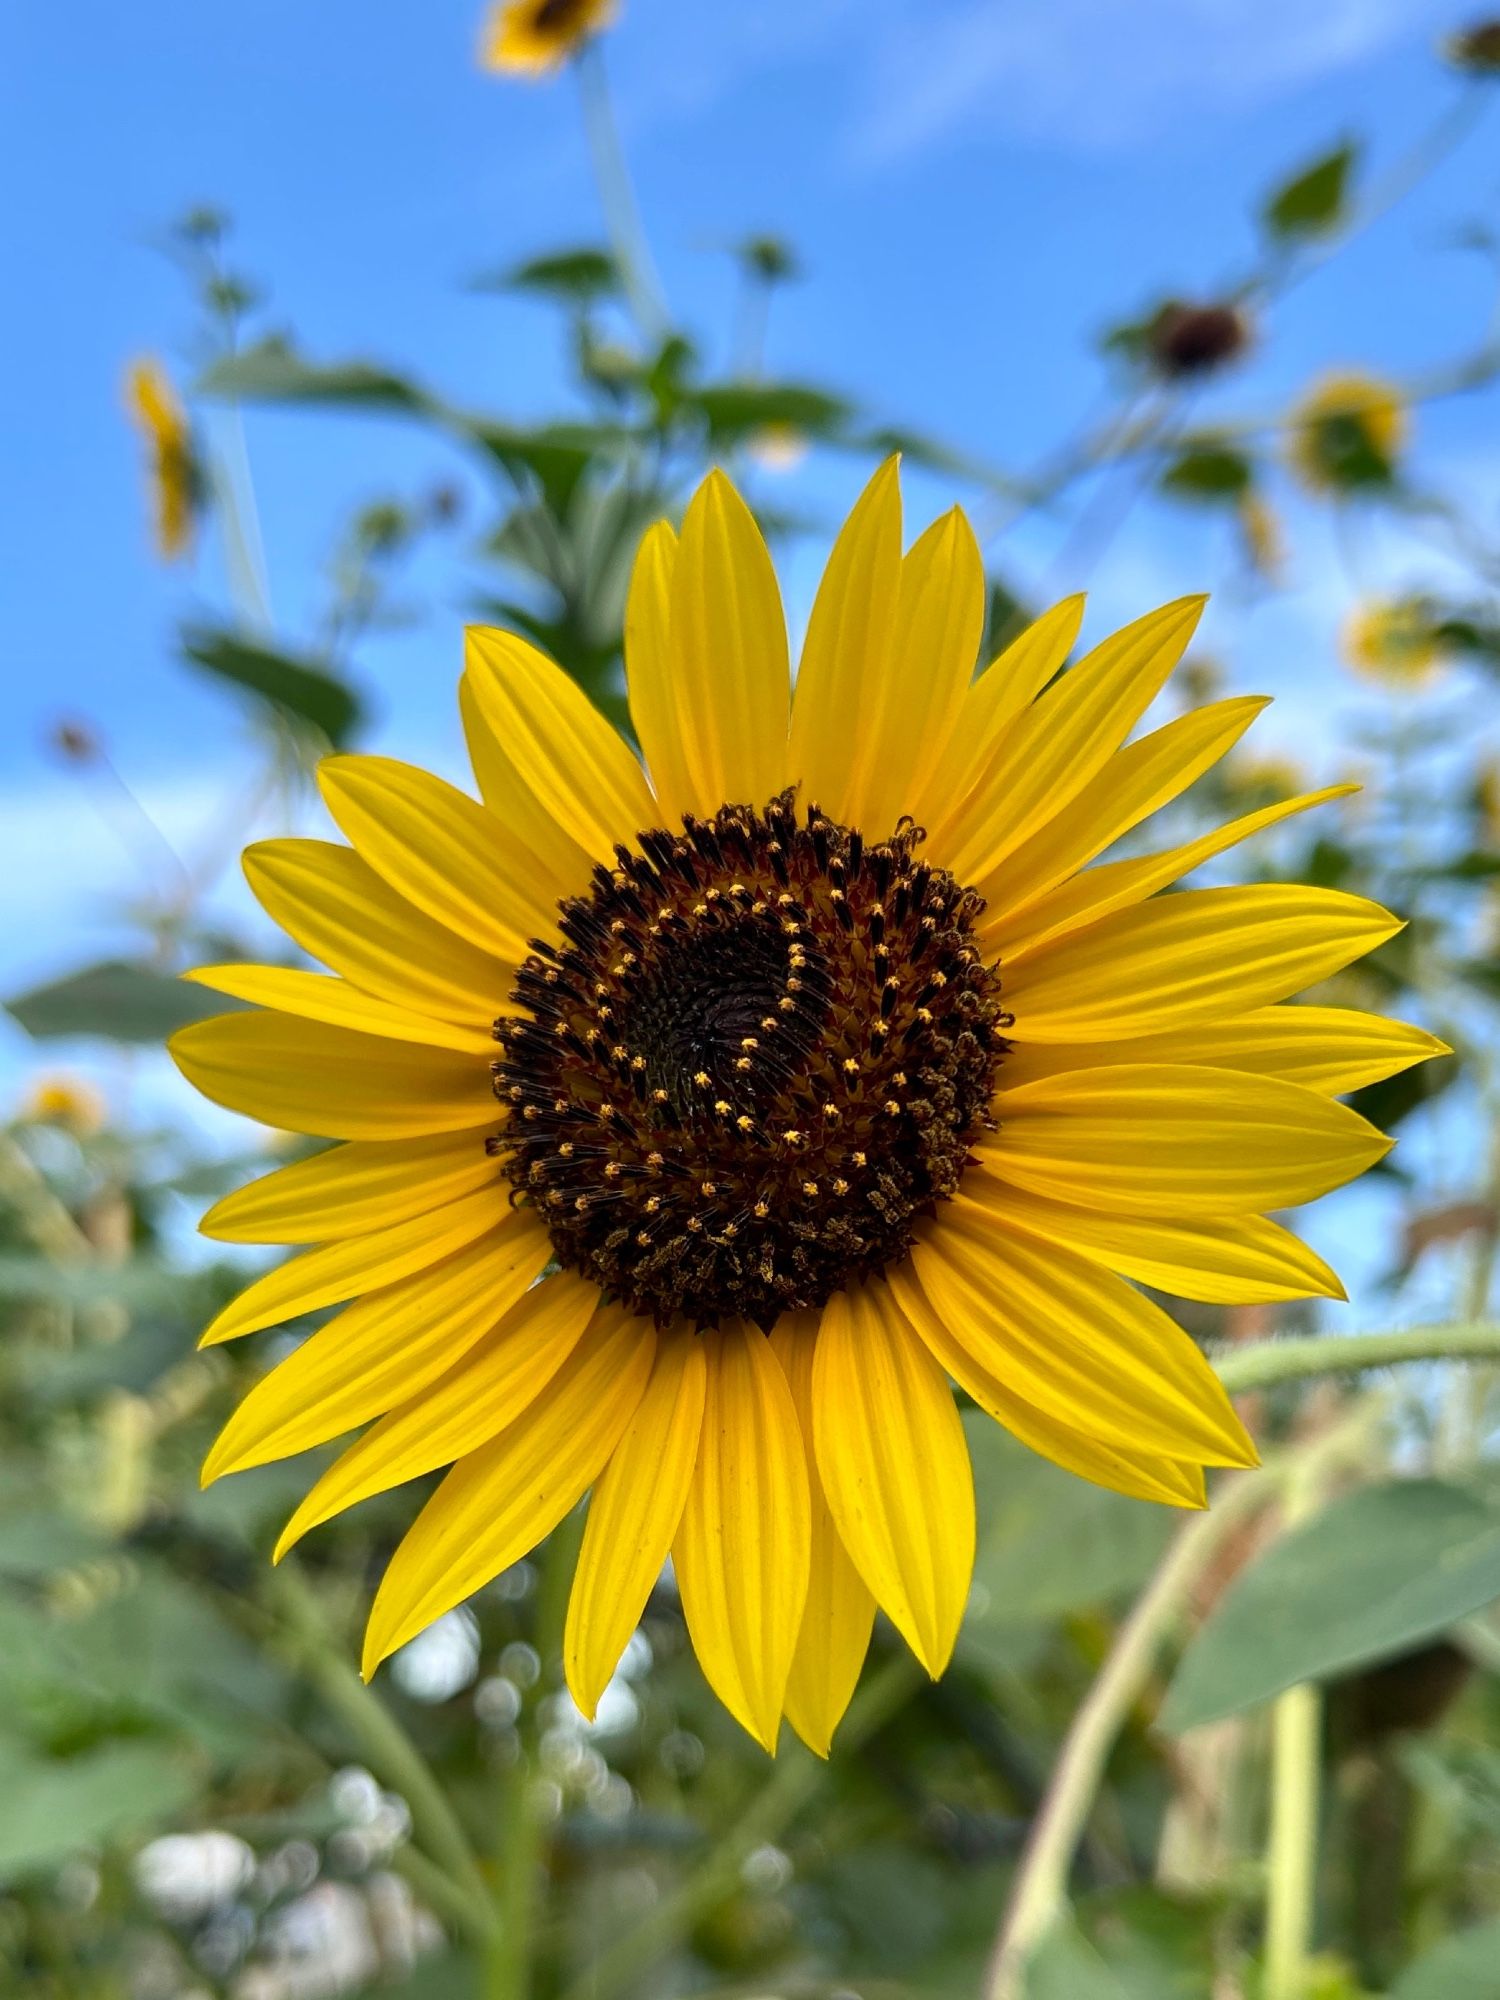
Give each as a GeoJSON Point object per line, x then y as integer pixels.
{"type": "Point", "coordinates": [820, 1071]}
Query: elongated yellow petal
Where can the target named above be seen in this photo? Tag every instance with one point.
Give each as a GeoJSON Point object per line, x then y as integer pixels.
{"type": "Point", "coordinates": [1223, 1260]}
{"type": "Point", "coordinates": [714, 732]}
{"type": "Point", "coordinates": [352, 1189]}
{"type": "Point", "coordinates": [989, 714]}
{"type": "Point", "coordinates": [906, 716]}
{"type": "Point", "coordinates": [1099, 892]}
{"type": "Point", "coordinates": [633, 1516]}
{"type": "Point", "coordinates": [895, 1467]}
{"type": "Point", "coordinates": [382, 1350]}
{"type": "Point", "coordinates": [847, 653]}
{"type": "Point", "coordinates": [1172, 1482]}
{"type": "Point", "coordinates": [304, 1076]}
{"type": "Point", "coordinates": [575, 766]}
{"type": "Point", "coordinates": [1190, 958]}
{"type": "Point", "coordinates": [1067, 737]}
{"type": "Point", "coordinates": [1136, 782]}
{"type": "Point", "coordinates": [1155, 1139]}
{"type": "Point", "coordinates": [361, 1263]}
{"type": "Point", "coordinates": [743, 1547]}
{"type": "Point", "coordinates": [1332, 1049]}
{"type": "Point", "coordinates": [314, 997]}
{"type": "Point", "coordinates": [339, 909]}
{"type": "Point", "coordinates": [648, 671]}
{"type": "Point", "coordinates": [434, 846]}
{"type": "Point", "coordinates": [557, 865]}
{"type": "Point", "coordinates": [500, 1501]}
{"type": "Point", "coordinates": [494, 1380]}
{"type": "Point", "coordinates": [1075, 1342]}
{"type": "Point", "coordinates": [840, 1611]}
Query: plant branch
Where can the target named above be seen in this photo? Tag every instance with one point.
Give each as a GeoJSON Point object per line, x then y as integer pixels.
{"type": "Point", "coordinates": [1269, 1362]}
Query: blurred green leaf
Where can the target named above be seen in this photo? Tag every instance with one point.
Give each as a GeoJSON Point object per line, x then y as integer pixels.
{"type": "Point", "coordinates": [573, 276]}
{"type": "Point", "coordinates": [296, 687]}
{"type": "Point", "coordinates": [55, 1807]}
{"type": "Point", "coordinates": [121, 1002]}
{"type": "Point", "coordinates": [1209, 472]}
{"type": "Point", "coordinates": [1460, 1968]}
{"type": "Point", "coordinates": [273, 372]}
{"type": "Point", "coordinates": [734, 411]}
{"type": "Point", "coordinates": [1375, 1572]}
{"type": "Point", "coordinates": [1313, 200]}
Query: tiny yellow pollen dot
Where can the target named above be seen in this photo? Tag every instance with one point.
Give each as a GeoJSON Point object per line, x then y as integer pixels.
{"type": "Point", "coordinates": [860, 1159]}
{"type": "Point", "coordinates": [722, 1107]}
{"type": "Point", "coordinates": [840, 1185]}
{"type": "Point", "coordinates": [655, 1161]}
{"type": "Point", "coordinates": [749, 1042]}
{"type": "Point", "coordinates": [762, 1210]}
{"type": "Point", "coordinates": [708, 1189]}
{"type": "Point", "coordinates": [702, 1078]}
{"type": "Point", "coordinates": [810, 1188]}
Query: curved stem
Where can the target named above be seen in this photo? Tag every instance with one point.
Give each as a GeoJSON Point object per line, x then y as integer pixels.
{"type": "Point", "coordinates": [1271, 1361]}
{"type": "Point", "coordinates": [622, 216]}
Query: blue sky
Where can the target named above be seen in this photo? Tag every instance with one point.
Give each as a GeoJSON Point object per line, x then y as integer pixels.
{"type": "Point", "coordinates": [975, 188]}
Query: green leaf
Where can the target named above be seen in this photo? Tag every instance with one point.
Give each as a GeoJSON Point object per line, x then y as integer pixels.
{"type": "Point", "coordinates": [122, 1002]}
{"type": "Point", "coordinates": [736, 410]}
{"type": "Point", "coordinates": [573, 276]}
{"type": "Point", "coordinates": [1314, 200]}
{"type": "Point", "coordinates": [1207, 471]}
{"type": "Point", "coordinates": [55, 1807]}
{"type": "Point", "coordinates": [1376, 1572]}
{"type": "Point", "coordinates": [296, 687]}
{"type": "Point", "coordinates": [273, 372]}
{"type": "Point", "coordinates": [1460, 1968]}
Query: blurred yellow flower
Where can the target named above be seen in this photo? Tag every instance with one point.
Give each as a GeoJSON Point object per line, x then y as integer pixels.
{"type": "Point", "coordinates": [66, 1101]}
{"type": "Point", "coordinates": [1392, 640]}
{"type": "Point", "coordinates": [778, 447]}
{"type": "Point", "coordinates": [532, 37]}
{"type": "Point", "coordinates": [1274, 774]}
{"type": "Point", "coordinates": [1348, 430]}
{"type": "Point", "coordinates": [1261, 536]}
{"type": "Point", "coordinates": [158, 415]}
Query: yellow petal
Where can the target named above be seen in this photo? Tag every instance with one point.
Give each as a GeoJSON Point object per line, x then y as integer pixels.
{"type": "Point", "coordinates": [575, 766]}
{"type": "Point", "coordinates": [1136, 782]}
{"type": "Point", "coordinates": [1118, 884]}
{"type": "Point", "coordinates": [905, 717]}
{"type": "Point", "coordinates": [1067, 737]}
{"type": "Point", "coordinates": [1332, 1049]}
{"type": "Point", "coordinates": [434, 846]}
{"type": "Point", "coordinates": [361, 1263]}
{"type": "Point", "coordinates": [558, 865]}
{"type": "Point", "coordinates": [350, 1190]}
{"type": "Point", "coordinates": [840, 1611]}
{"type": "Point", "coordinates": [382, 1350]}
{"type": "Point", "coordinates": [304, 1076]}
{"type": "Point", "coordinates": [1223, 1260]}
{"type": "Point", "coordinates": [495, 1379]}
{"type": "Point", "coordinates": [847, 653]}
{"type": "Point", "coordinates": [744, 1543]}
{"type": "Point", "coordinates": [648, 671]}
{"type": "Point", "coordinates": [500, 1501]}
{"type": "Point", "coordinates": [313, 997]}
{"type": "Point", "coordinates": [633, 1516]}
{"type": "Point", "coordinates": [1075, 1342]}
{"type": "Point", "coordinates": [1173, 1482]}
{"type": "Point", "coordinates": [1190, 958]}
{"type": "Point", "coordinates": [714, 730]}
{"type": "Point", "coordinates": [989, 714]}
{"type": "Point", "coordinates": [895, 1467]}
{"type": "Point", "coordinates": [1155, 1139]}
{"type": "Point", "coordinates": [339, 909]}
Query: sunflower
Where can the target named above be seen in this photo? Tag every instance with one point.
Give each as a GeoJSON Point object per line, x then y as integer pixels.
{"type": "Point", "coordinates": [1347, 431]}
{"type": "Point", "coordinates": [818, 1070]}
{"type": "Point", "coordinates": [172, 469]}
{"type": "Point", "coordinates": [531, 37]}
{"type": "Point", "coordinates": [1394, 641]}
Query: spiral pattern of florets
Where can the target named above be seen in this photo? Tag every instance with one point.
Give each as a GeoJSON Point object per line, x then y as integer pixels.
{"type": "Point", "coordinates": [761, 1052]}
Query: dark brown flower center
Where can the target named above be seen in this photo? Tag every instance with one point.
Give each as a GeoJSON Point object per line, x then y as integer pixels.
{"type": "Point", "coordinates": [763, 1051]}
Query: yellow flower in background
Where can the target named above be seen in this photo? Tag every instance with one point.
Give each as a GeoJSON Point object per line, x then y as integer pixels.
{"type": "Point", "coordinates": [531, 37]}
{"type": "Point", "coordinates": [66, 1101]}
{"type": "Point", "coordinates": [1347, 431]}
{"type": "Point", "coordinates": [777, 447]}
{"type": "Point", "coordinates": [1392, 640]}
{"type": "Point", "coordinates": [171, 469]}
{"type": "Point", "coordinates": [823, 1072]}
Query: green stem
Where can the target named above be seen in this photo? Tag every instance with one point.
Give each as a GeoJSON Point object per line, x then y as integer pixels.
{"type": "Point", "coordinates": [1039, 1891]}
{"type": "Point", "coordinates": [518, 1852]}
{"type": "Point", "coordinates": [622, 216]}
{"type": "Point", "coordinates": [1292, 1849]}
{"type": "Point", "coordinates": [795, 1780]}
{"type": "Point", "coordinates": [392, 1754]}
{"type": "Point", "coordinates": [1268, 1362]}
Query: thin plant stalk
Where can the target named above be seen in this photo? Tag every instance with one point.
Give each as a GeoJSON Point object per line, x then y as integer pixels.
{"type": "Point", "coordinates": [622, 215]}
{"type": "Point", "coordinates": [1296, 1769]}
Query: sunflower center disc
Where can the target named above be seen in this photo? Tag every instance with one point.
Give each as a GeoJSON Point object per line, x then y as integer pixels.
{"type": "Point", "coordinates": [763, 1051]}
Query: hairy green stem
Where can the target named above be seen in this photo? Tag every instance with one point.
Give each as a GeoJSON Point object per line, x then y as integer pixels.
{"type": "Point", "coordinates": [1268, 1362]}
{"type": "Point", "coordinates": [1292, 1848]}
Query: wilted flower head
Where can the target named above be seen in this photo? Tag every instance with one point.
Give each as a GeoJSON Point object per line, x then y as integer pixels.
{"type": "Point", "coordinates": [1186, 339]}
{"type": "Point", "coordinates": [1393, 640]}
{"type": "Point", "coordinates": [172, 470]}
{"type": "Point", "coordinates": [1347, 431]}
{"type": "Point", "coordinates": [1476, 49]}
{"type": "Point", "coordinates": [533, 37]}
